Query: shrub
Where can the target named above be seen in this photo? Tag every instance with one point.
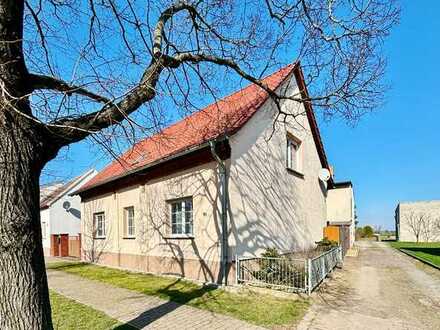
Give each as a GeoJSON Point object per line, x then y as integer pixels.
{"type": "Point", "coordinates": [326, 244]}
{"type": "Point", "coordinates": [271, 253]}
{"type": "Point", "coordinates": [368, 231]}
{"type": "Point", "coordinates": [279, 271]}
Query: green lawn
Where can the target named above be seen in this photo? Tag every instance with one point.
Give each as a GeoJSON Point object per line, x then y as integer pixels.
{"type": "Point", "coordinates": [69, 314]}
{"type": "Point", "coordinates": [252, 307]}
{"type": "Point", "coordinates": [426, 251]}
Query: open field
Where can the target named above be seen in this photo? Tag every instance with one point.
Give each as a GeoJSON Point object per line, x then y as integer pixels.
{"type": "Point", "coordinates": [256, 308]}
{"type": "Point", "coordinates": [429, 252]}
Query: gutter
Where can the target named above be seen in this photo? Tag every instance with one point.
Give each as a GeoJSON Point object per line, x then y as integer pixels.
{"type": "Point", "coordinates": [223, 188]}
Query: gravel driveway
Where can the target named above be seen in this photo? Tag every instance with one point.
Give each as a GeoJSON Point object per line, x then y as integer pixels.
{"type": "Point", "coordinates": [380, 289]}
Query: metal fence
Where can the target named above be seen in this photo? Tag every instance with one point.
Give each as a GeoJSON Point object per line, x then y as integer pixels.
{"type": "Point", "coordinates": [289, 274]}
{"type": "Point", "coordinates": [320, 266]}
{"type": "Point", "coordinates": [281, 273]}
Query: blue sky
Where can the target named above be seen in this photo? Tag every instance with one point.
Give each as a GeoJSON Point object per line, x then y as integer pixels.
{"type": "Point", "coordinates": [392, 154]}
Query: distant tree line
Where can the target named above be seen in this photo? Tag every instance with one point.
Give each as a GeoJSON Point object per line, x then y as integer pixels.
{"type": "Point", "coordinates": [368, 231]}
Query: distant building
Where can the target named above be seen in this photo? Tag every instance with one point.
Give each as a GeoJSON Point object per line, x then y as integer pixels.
{"type": "Point", "coordinates": [61, 216]}
{"type": "Point", "coordinates": [418, 221]}
{"type": "Point", "coordinates": [341, 210]}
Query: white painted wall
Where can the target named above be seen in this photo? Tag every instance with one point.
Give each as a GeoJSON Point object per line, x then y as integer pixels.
{"type": "Point", "coordinates": [430, 226]}
{"type": "Point", "coordinates": [270, 205]}
{"type": "Point", "coordinates": [341, 208]}
{"type": "Point", "coordinates": [59, 221]}
{"type": "Point", "coordinates": [45, 222]}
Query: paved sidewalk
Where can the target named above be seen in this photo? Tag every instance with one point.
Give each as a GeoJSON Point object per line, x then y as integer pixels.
{"type": "Point", "coordinates": [140, 311]}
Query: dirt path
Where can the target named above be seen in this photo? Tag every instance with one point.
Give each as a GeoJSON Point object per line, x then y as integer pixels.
{"type": "Point", "coordinates": [380, 289]}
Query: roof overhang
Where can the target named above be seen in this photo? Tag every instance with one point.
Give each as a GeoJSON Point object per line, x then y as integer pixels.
{"type": "Point", "coordinates": [342, 184]}
{"type": "Point", "coordinates": [184, 160]}
{"type": "Point", "coordinates": [299, 76]}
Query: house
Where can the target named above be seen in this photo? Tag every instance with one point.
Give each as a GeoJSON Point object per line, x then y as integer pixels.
{"type": "Point", "coordinates": [231, 179]}
{"type": "Point", "coordinates": [418, 221]}
{"type": "Point", "coordinates": [341, 213]}
{"type": "Point", "coordinates": [60, 215]}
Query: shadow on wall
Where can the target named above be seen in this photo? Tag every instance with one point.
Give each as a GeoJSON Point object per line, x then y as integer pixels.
{"type": "Point", "coordinates": [269, 203]}
{"type": "Point", "coordinates": [268, 211]}
{"type": "Point", "coordinates": [75, 212]}
{"type": "Point", "coordinates": [93, 248]}
{"type": "Point", "coordinates": [199, 254]}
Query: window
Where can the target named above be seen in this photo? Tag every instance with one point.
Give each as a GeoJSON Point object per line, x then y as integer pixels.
{"type": "Point", "coordinates": [129, 226]}
{"type": "Point", "coordinates": [43, 230]}
{"type": "Point", "coordinates": [293, 154]}
{"type": "Point", "coordinates": [99, 225]}
{"type": "Point", "coordinates": [182, 217]}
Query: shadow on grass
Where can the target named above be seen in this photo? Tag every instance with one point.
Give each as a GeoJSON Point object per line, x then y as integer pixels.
{"type": "Point", "coordinates": [65, 265]}
{"type": "Point", "coordinates": [433, 251]}
{"type": "Point", "coordinates": [177, 299]}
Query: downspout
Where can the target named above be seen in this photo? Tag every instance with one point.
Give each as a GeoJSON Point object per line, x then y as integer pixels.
{"type": "Point", "coordinates": [224, 212]}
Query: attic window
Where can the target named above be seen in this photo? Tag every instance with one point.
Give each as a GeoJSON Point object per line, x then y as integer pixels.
{"type": "Point", "coordinates": [293, 154]}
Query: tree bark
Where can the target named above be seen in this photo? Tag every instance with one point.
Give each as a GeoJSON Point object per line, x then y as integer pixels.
{"type": "Point", "coordinates": [24, 295]}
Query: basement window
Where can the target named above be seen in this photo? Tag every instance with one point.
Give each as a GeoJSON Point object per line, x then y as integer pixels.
{"type": "Point", "coordinates": [182, 217]}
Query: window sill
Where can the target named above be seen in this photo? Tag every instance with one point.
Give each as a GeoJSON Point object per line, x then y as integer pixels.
{"type": "Point", "coordinates": [99, 237]}
{"type": "Point", "coordinates": [294, 172]}
{"type": "Point", "coordinates": [182, 236]}
{"type": "Point", "coordinates": [129, 237]}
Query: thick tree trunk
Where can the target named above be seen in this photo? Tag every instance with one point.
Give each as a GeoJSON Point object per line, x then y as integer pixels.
{"type": "Point", "coordinates": [24, 296]}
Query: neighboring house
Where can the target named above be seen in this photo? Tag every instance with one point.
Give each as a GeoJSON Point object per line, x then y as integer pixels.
{"type": "Point", "coordinates": [418, 221]}
{"type": "Point", "coordinates": [227, 180]}
{"type": "Point", "coordinates": [60, 214]}
{"type": "Point", "coordinates": [341, 210]}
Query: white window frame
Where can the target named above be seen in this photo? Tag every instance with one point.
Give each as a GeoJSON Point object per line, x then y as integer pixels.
{"type": "Point", "coordinates": [296, 164]}
{"type": "Point", "coordinates": [43, 230]}
{"type": "Point", "coordinates": [179, 210]}
{"type": "Point", "coordinates": [129, 216]}
{"type": "Point", "coordinates": [99, 219]}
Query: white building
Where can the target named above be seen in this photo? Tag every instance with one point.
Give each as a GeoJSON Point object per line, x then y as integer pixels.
{"type": "Point", "coordinates": [60, 214]}
{"type": "Point", "coordinates": [341, 210]}
{"type": "Point", "coordinates": [227, 180]}
{"type": "Point", "coordinates": [418, 221]}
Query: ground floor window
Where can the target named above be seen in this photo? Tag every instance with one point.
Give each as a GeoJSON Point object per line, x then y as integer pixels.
{"type": "Point", "coordinates": [182, 217]}
{"type": "Point", "coordinates": [129, 225]}
{"type": "Point", "coordinates": [99, 225]}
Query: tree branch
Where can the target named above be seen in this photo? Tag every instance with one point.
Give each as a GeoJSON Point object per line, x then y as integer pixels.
{"type": "Point", "coordinates": [47, 82]}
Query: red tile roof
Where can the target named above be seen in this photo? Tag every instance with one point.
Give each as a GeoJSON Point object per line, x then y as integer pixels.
{"type": "Point", "coordinates": [224, 117]}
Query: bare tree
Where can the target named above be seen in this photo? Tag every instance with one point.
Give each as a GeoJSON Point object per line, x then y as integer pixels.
{"type": "Point", "coordinates": [416, 223]}
{"type": "Point", "coordinates": [74, 70]}
{"type": "Point", "coordinates": [429, 228]}
{"type": "Point", "coordinates": [378, 229]}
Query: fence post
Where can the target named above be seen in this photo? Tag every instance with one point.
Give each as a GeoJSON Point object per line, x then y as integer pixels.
{"type": "Point", "coordinates": [237, 269]}
{"type": "Point", "coordinates": [309, 276]}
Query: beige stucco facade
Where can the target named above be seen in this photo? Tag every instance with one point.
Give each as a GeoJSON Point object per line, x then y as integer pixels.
{"type": "Point", "coordinates": [341, 208]}
{"type": "Point", "coordinates": [418, 221]}
{"type": "Point", "coordinates": [268, 205]}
